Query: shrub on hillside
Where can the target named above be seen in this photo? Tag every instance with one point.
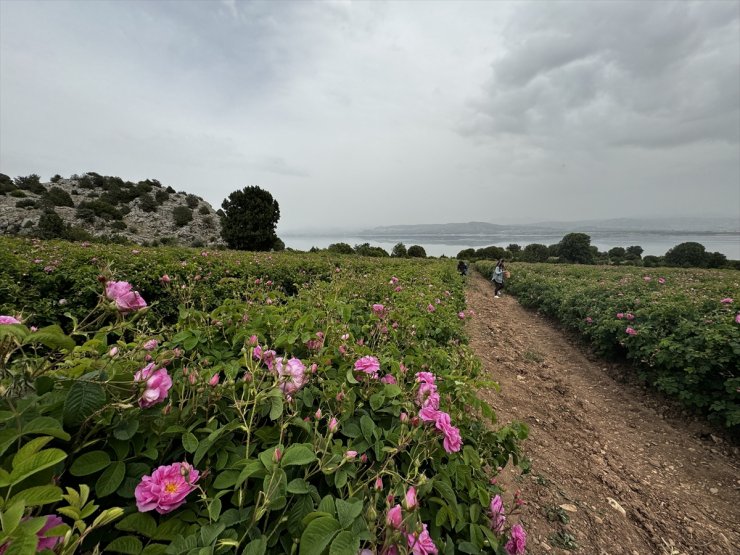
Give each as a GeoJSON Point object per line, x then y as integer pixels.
{"type": "Point", "coordinates": [161, 196]}
{"type": "Point", "coordinates": [26, 203]}
{"type": "Point", "coordinates": [182, 215]}
{"type": "Point", "coordinates": [340, 248]}
{"type": "Point", "coordinates": [203, 210]}
{"type": "Point", "coordinates": [51, 225]}
{"type": "Point", "coordinates": [687, 254]}
{"type": "Point", "coordinates": [399, 251]}
{"type": "Point", "coordinates": [192, 201]}
{"type": "Point", "coordinates": [57, 196]}
{"type": "Point", "coordinates": [535, 252]}
{"type": "Point", "coordinates": [98, 208]}
{"type": "Point", "coordinates": [30, 183]}
{"type": "Point", "coordinates": [147, 203]}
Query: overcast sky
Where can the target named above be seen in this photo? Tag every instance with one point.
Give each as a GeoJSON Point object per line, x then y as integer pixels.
{"type": "Point", "coordinates": [370, 113]}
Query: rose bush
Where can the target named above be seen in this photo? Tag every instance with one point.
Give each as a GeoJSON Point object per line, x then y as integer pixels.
{"type": "Point", "coordinates": [246, 426]}
{"type": "Point", "coordinates": [683, 334]}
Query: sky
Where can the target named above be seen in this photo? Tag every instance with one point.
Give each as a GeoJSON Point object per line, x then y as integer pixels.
{"type": "Point", "coordinates": [356, 114]}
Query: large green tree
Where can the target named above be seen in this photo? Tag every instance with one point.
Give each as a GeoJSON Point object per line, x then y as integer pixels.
{"type": "Point", "coordinates": [250, 217]}
{"type": "Point", "coordinates": [576, 247]}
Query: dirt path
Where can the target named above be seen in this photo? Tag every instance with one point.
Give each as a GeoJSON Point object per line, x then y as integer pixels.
{"type": "Point", "coordinates": [592, 440]}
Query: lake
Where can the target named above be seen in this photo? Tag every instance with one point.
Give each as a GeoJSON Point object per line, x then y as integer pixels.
{"type": "Point", "coordinates": [655, 243]}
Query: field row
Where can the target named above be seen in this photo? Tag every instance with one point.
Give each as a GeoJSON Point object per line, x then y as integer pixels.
{"type": "Point", "coordinates": [178, 401]}
{"type": "Point", "coordinates": [681, 327]}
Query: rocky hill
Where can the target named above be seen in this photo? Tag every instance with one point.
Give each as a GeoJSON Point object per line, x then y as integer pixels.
{"type": "Point", "coordinates": [95, 206]}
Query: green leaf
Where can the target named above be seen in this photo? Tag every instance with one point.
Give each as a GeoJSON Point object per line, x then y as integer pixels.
{"type": "Point", "coordinates": [276, 406]}
{"type": "Point", "coordinates": [83, 399]}
{"type": "Point", "coordinates": [346, 543]}
{"type": "Point", "coordinates": [52, 337]}
{"type": "Point", "coordinates": [23, 544]}
{"type": "Point", "coordinates": [36, 463]}
{"type": "Point", "coordinates": [298, 486]}
{"type": "Point", "coordinates": [38, 495]}
{"type": "Point", "coordinates": [210, 532]}
{"type": "Point", "coordinates": [10, 518]}
{"type": "Point", "coordinates": [46, 425]}
{"type": "Point", "coordinates": [140, 523]}
{"type": "Point", "coordinates": [126, 429]}
{"type": "Point", "coordinates": [110, 479]}
{"type": "Point", "coordinates": [317, 535]}
{"type": "Point", "coordinates": [89, 463]}
{"type": "Point", "coordinates": [107, 516]}
{"type": "Point", "coordinates": [256, 547]}
{"type": "Point", "coordinates": [131, 545]}
{"type": "Point", "coordinates": [326, 505]}
{"type": "Point", "coordinates": [250, 469]}
{"type": "Point", "coordinates": [377, 400]}
{"type": "Point", "coordinates": [226, 479]}
{"type": "Point", "coordinates": [189, 442]}
{"type": "Point", "coordinates": [154, 549]}
{"type": "Point", "coordinates": [348, 511]}
{"type": "Point", "coordinates": [214, 509]}
{"type": "Point", "coordinates": [297, 454]}
{"type": "Point", "coordinates": [368, 426]}
{"type": "Point", "coordinates": [170, 529]}
{"type": "Point", "coordinates": [30, 448]}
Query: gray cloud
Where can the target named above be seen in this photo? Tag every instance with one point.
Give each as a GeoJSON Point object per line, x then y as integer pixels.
{"type": "Point", "coordinates": [650, 74]}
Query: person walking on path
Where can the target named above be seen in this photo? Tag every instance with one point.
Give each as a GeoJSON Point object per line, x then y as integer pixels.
{"type": "Point", "coordinates": [498, 278]}
{"type": "Point", "coordinates": [462, 267]}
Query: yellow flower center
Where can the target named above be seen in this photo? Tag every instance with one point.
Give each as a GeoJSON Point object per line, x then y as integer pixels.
{"type": "Point", "coordinates": [171, 487]}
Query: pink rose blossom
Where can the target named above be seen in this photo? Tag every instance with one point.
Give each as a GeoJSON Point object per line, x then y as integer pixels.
{"type": "Point", "coordinates": [409, 500]}
{"type": "Point", "coordinates": [398, 289]}
{"type": "Point", "coordinates": [737, 318]}
{"type": "Point", "coordinates": [428, 414]}
{"type": "Point", "coordinates": [165, 278]}
{"type": "Point", "coordinates": [425, 377]}
{"type": "Point", "coordinates": [369, 365]}
{"type": "Point", "coordinates": [213, 382]}
{"type": "Point", "coordinates": [166, 489]}
{"type": "Point", "coordinates": [345, 337]}
{"type": "Point", "coordinates": [393, 517]}
{"type": "Point", "coordinates": [378, 483]}
{"type": "Point", "coordinates": [452, 440]}
{"type": "Point", "coordinates": [333, 424]}
{"type": "Point", "coordinates": [661, 280]}
{"type": "Point", "coordinates": [630, 331]}
{"type": "Point", "coordinates": [317, 414]}
{"type": "Point", "coordinates": [277, 455]}
{"type": "Point", "coordinates": [44, 542]}
{"type": "Point", "coordinates": [629, 316]}
{"type": "Point", "coordinates": [151, 345]}
{"type": "Point", "coordinates": [589, 320]}
{"type": "Point", "coordinates": [726, 300]}
{"type": "Point", "coordinates": [292, 375]}
{"type": "Point", "coordinates": [518, 542]}
{"type": "Point", "coordinates": [350, 455]}
{"type": "Point", "coordinates": [388, 378]}
{"type": "Point", "coordinates": [620, 315]}
{"type": "Point", "coordinates": [9, 320]}
{"type": "Point", "coordinates": [421, 543]}
{"type": "Point", "coordinates": [404, 417]}
{"type": "Point", "coordinates": [378, 309]}
{"type": "Point", "coordinates": [498, 518]}
{"type": "Point", "coordinates": [647, 278]}
{"type": "Point", "coordinates": [394, 280]}
{"type": "Point", "coordinates": [461, 315]}
{"type": "Point", "coordinates": [430, 308]}
{"type": "Point", "coordinates": [158, 384]}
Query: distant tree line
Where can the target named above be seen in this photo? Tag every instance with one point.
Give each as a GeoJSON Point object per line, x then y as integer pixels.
{"type": "Point", "coordinates": [576, 248]}
{"type": "Point", "coordinates": [365, 249]}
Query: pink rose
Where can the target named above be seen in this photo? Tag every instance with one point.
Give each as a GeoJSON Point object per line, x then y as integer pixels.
{"type": "Point", "coordinates": [165, 279]}
{"type": "Point", "coordinates": [589, 320]}
{"type": "Point", "coordinates": [317, 414]}
{"type": "Point", "coordinates": [158, 383]}
{"type": "Point", "coordinates": [151, 345]}
{"type": "Point", "coordinates": [113, 352]}
{"type": "Point", "coordinates": [498, 518]}
{"type": "Point", "coordinates": [428, 414]}
{"type": "Point", "coordinates": [130, 302]}
{"type": "Point", "coordinates": [9, 320]}
{"type": "Point", "coordinates": [726, 300]}
{"type": "Point", "coordinates": [394, 518]}
{"type": "Point", "coordinates": [630, 331]}
{"type": "Point", "coordinates": [452, 440]}
{"type": "Point", "coordinates": [213, 382]}
{"type": "Point", "coordinates": [430, 308]}
{"type": "Point", "coordinates": [114, 289]}
{"type": "Point", "coordinates": [629, 316]}
{"type": "Point", "coordinates": [333, 424]}
{"type": "Point", "coordinates": [737, 318]}
{"type": "Point", "coordinates": [518, 542]}
{"type": "Point", "coordinates": [292, 375]}
{"type": "Point", "coordinates": [378, 483]}
{"type": "Point", "coordinates": [425, 377]}
{"type": "Point", "coordinates": [461, 315]}
{"type": "Point", "coordinates": [404, 417]}
{"type": "Point", "coordinates": [166, 489]}
{"type": "Point", "coordinates": [378, 309]}
{"type": "Point", "coordinates": [409, 500]}
{"type": "Point", "coordinates": [44, 542]}
{"type": "Point", "coordinates": [647, 278]}
{"type": "Point", "coordinates": [369, 365]}
{"type": "Point", "coordinates": [661, 280]}
{"type": "Point", "coordinates": [421, 543]}
{"type": "Point", "coordinates": [388, 378]}
{"type": "Point", "coordinates": [350, 455]}
{"type": "Point", "coordinates": [620, 315]}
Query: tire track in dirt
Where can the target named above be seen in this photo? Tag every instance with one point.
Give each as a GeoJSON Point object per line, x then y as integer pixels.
{"type": "Point", "coordinates": [593, 439]}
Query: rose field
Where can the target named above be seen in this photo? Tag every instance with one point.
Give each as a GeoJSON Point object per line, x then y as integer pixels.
{"type": "Point", "coordinates": [679, 327]}
{"type": "Point", "coordinates": [176, 400]}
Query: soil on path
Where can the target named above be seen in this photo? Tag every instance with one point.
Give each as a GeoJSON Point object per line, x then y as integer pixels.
{"type": "Point", "coordinates": [611, 472]}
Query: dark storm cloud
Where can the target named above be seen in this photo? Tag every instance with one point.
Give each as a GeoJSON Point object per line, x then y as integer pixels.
{"type": "Point", "coordinates": [645, 74]}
